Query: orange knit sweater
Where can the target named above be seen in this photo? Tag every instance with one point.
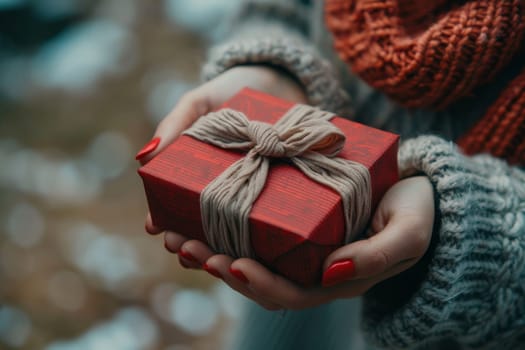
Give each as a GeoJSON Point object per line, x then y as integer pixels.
{"type": "Point", "coordinates": [434, 52]}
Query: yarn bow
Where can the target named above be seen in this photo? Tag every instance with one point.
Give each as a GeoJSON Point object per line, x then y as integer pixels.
{"type": "Point", "coordinates": [306, 137]}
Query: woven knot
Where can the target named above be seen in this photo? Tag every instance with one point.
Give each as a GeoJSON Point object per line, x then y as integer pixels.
{"type": "Point", "coordinates": [266, 139]}
{"type": "Point", "coordinates": [307, 138]}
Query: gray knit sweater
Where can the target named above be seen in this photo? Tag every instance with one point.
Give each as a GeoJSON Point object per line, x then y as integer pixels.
{"type": "Point", "coordinates": [470, 288]}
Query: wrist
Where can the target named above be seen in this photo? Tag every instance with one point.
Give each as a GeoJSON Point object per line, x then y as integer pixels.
{"type": "Point", "coordinates": [273, 79]}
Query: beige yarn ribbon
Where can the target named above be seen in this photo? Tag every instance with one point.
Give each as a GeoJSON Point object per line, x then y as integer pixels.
{"type": "Point", "coordinates": [307, 138]}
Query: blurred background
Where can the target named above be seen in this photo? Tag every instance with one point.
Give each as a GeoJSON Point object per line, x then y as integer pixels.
{"type": "Point", "coordinates": [83, 84]}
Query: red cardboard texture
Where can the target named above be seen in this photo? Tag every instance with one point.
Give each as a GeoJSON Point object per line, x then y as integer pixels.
{"type": "Point", "coordinates": [295, 223]}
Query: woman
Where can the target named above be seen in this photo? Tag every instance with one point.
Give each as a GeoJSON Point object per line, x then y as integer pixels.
{"type": "Point", "coordinates": [444, 262]}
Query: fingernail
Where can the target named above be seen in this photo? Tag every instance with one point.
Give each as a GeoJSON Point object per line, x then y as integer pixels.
{"type": "Point", "coordinates": [239, 275]}
{"type": "Point", "coordinates": [183, 263]}
{"type": "Point", "coordinates": [186, 255]}
{"type": "Point", "coordinates": [148, 148]}
{"type": "Point", "coordinates": [338, 272]}
{"type": "Point", "coordinates": [211, 271]}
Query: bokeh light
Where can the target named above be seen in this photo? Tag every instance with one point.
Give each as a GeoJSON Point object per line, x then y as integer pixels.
{"type": "Point", "coordinates": [83, 85]}
{"type": "Point", "coordinates": [25, 225]}
{"type": "Point", "coordinates": [15, 326]}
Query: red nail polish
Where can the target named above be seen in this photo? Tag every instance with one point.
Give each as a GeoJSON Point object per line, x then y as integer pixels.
{"type": "Point", "coordinates": [239, 275]}
{"type": "Point", "coordinates": [186, 255]}
{"type": "Point", "coordinates": [183, 263]}
{"type": "Point", "coordinates": [148, 148]}
{"type": "Point", "coordinates": [338, 272]}
{"type": "Point", "coordinates": [211, 271]}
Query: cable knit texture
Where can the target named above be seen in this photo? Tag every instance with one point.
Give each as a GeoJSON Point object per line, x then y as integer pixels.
{"type": "Point", "coordinates": [475, 289]}
{"type": "Point", "coordinates": [285, 49]}
{"type": "Point", "coordinates": [426, 53]}
{"type": "Point", "coordinates": [432, 53]}
{"type": "Point", "coordinates": [501, 131]}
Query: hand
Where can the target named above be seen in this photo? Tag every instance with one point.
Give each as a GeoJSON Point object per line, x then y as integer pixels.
{"type": "Point", "coordinates": [398, 237]}
{"type": "Point", "coordinates": [215, 92]}
{"type": "Point", "coordinates": [210, 96]}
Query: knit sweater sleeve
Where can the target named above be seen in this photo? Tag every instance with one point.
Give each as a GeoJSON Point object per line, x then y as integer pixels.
{"type": "Point", "coordinates": [473, 290]}
{"type": "Point", "coordinates": [277, 33]}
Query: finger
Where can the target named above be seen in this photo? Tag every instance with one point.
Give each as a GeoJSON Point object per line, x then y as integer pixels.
{"type": "Point", "coordinates": [354, 288]}
{"type": "Point", "coordinates": [173, 241]}
{"type": "Point", "coordinates": [150, 227]}
{"type": "Point", "coordinates": [188, 264]}
{"type": "Point", "coordinates": [401, 240]}
{"type": "Point", "coordinates": [412, 197]}
{"type": "Point", "coordinates": [276, 289]}
{"type": "Point", "coordinates": [220, 265]}
{"type": "Point", "coordinates": [196, 251]}
{"type": "Point", "coordinates": [365, 284]}
{"type": "Point", "coordinates": [186, 251]}
{"type": "Point", "coordinates": [189, 108]}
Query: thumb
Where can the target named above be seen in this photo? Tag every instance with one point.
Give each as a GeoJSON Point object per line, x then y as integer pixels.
{"type": "Point", "coordinates": [189, 108]}
{"type": "Point", "coordinates": [398, 242]}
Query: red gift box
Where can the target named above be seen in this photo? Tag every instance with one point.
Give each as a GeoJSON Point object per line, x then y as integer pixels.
{"type": "Point", "coordinates": [295, 223]}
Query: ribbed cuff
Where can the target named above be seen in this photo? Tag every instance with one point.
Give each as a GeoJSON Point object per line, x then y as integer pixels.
{"type": "Point", "coordinates": [472, 291]}
{"type": "Point", "coordinates": [286, 51]}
